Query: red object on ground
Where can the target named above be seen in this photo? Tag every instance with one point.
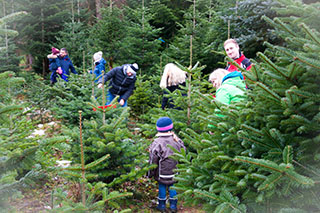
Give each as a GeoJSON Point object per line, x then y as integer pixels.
{"type": "Point", "coordinates": [105, 107]}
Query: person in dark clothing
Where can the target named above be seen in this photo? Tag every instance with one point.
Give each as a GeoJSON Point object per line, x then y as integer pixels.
{"type": "Point", "coordinates": [122, 81]}
{"type": "Point", "coordinates": [172, 78]}
{"type": "Point", "coordinates": [54, 65]}
{"type": "Point", "coordinates": [66, 64]}
{"type": "Point", "coordinates": [159, 154]}
{"type": "Point", "coordinates": [233, 51]}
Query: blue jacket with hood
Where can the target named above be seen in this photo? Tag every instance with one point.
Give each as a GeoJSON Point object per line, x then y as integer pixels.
{"type": "Point", "coordinates": [100, 65]}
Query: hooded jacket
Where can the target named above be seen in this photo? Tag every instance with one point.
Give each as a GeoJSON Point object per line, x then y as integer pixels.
{"type": "Point", "coordinates": [120, 83]}
{"type": "Point", "coordinates": [159, 155]}
{"type": "Point", "coordinates": [231, 88]}
{"type": "Point", "coordinates": [100, 66]}
{"type": "Point", "coordinates": [242, 61]}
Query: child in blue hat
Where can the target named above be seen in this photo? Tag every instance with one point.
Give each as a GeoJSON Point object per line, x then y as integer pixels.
{"type": "Point", "coordinates": [159, 155]}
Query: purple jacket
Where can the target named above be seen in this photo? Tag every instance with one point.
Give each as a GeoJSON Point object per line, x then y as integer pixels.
{"type": "Point", "coordinates": [160, 153]}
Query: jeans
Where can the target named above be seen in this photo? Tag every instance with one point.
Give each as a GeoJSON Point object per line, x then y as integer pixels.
{"type": "Point", "coordinates": [163, 191]}
{"type": "Point", "coordinates": [111, 96]}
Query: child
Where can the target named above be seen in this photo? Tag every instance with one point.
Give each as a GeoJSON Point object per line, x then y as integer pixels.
{"type": "Point", "coordinates": [54, 65]}
{"type": "Point", "coordinates": [159, 154]}
{"type": "Point", "coordinates": [100, 64]}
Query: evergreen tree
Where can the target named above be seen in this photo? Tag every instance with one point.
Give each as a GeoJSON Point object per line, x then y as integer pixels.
{"type": "Point", "coordinates": [262, 154]}
{"type": "Point", "coordinates": [204, 27]}
{"type": "Point", "coordinates": [140, 43]}
{"type": "Point", "coordinates": [74, 37]}
{"type": "Point", "coordinates": [107, 33]}
{"type": "Point", "coordinates": [22, 158]}
{"type": "Point", "coordinates": [8, 58]}
{"type": "Point", "coordinates": [106, 134]}
{"type": "Point", "coordinates": [39, 28]}
{"type": "Point", "coordinates": [247, 26]}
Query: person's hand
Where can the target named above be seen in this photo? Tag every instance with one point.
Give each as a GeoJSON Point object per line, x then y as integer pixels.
{"type": "Point", "coordinates": [59, 70]}
{"type": "Point", "coordinates": [121, 102]}
{"type": "Point", "coordinates": [100, 85]}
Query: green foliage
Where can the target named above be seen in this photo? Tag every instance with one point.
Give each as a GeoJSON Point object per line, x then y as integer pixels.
{"type": "Point", "coordinates": [144, 98]}
{"type": "Point", "coordinates": [247, 26]}
{"type": "Point", "coordinates": [263, 150]}
{"type": "Point", "coordinates": [107, 34]}
{"type": "Point", "coordinates": [67, 98]}
{"type": "Point", "coordinates": [127, 155]}
{"type": "Point", "coordinates": [140, 43]}
{"type": "Point", "coordinates": [126, 36]}
{"type": "Point", "coordinates": [75, 38]}
{"type": "Point", "coordinates": [22, 156]}
{"type": "Point", "coordinates": [98, 199]}
{"type": "Point", "coordinates": [8, 58]}
{"type": "Point", "coordinates": [37, 30]}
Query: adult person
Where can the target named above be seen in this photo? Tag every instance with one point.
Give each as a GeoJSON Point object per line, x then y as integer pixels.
{"type": "Point", "coordinates": [172, 78]}
{"type": "Point", "coordinates": [66, 63]}
{"type": "Point", "coordinates": [230, 86]}
{"type": "Point", "coordinates": [233, 51]}
{"type": "Point", "coordinates": [54, 65]}
{"type": "Point", "coordinates": [122, 81]}
{"type": "Point", "coordinates": [100, 65]}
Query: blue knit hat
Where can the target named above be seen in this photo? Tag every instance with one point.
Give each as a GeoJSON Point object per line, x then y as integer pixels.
{"type": "Point", "coordinates": [164, 124]}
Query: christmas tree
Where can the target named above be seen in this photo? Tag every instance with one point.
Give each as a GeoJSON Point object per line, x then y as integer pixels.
{"type": "Point", "coordinates": [262, 155]}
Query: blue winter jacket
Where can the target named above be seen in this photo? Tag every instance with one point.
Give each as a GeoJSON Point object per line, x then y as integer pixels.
{"type": "Point", "coordinates": [54, 63]}
{"type": "Point", "coordinates": [66, 64]}
{"type": "Point", "coordinates": [100, 66]}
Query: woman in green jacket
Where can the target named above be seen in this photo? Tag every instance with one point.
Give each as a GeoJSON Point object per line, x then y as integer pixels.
{"type": "Point", "coordinates": [230, 86]}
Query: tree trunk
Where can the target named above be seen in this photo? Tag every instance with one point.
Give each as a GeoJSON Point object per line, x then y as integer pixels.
{"type": "Point", "coordinates": [78, 11]}
{"type": "Point", "coordinates": [98, 9]}
{"type": "Point", "coordinates": [5, 30]}
{"type": "Point", "coordinates": [29, 60]}
{"type": "Point", "coordinates": [72, 14]}
{"type": "Point", "coordinates": [42, 38]}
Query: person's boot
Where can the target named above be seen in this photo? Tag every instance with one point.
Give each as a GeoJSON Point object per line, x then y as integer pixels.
{"type": "Point", "coordinates": [173, 204]}
{"type": "Point", "coordinates": [161, 205]}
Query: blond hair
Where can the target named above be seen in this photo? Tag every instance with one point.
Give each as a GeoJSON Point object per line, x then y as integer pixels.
{"type": "Point", "coordinates": [217, 76]}
{"type": "Point", "coordinates": [172, 76]}
{"type": "Point", "coordinates": [231, 40]}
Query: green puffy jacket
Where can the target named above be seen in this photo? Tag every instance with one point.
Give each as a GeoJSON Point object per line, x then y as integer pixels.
{"type": "Point", "coordinates": [232, 89]}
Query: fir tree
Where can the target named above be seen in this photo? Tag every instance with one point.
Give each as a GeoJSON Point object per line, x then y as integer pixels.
{"type": "Point", "coordinates": [140, 43]}
{"type": "Point", "coordinates": [8, 58]}
{"type": "Point", "coordinates": [107, 33]}
{"type": "Point", "coordinates": [261, 156]}
{"type": "Point", "coordinates": [39, 28]}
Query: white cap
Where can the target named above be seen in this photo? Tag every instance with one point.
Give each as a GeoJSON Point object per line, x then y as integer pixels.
{"type": "Point", "coordinates": [97, 56]}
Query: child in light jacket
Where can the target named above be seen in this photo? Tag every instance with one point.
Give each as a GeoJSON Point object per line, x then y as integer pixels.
{"type": "Point", "coordinates": [159, 155]}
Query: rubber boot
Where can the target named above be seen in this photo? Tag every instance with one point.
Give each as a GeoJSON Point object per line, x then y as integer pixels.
{"type": "Point", "coordinates": [161, 205]}
{"type": "Point", "coordinates": [173, 204]}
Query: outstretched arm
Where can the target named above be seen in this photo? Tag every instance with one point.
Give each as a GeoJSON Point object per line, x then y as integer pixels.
{"type": "Point", "coordinates": [106, 77]}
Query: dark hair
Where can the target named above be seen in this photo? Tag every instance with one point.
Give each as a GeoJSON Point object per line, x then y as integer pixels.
{"type": "Point", "coordinates": [65, 50]}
